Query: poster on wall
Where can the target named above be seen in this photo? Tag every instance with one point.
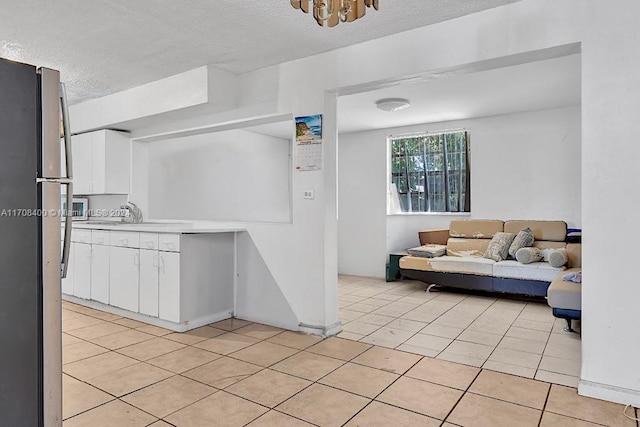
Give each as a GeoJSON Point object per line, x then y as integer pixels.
{"type": "Point", "coordinates": [308, 149]}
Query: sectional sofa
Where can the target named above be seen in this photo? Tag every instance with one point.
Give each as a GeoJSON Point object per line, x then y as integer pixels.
{"type": "Point", "coordinates": [463, 265]}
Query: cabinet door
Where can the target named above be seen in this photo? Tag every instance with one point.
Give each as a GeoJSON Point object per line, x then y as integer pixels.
{"type": "Point", "coordinates": [123, 277]}
{"type": "Point", "coordinates": [169, 286]}
{"type": "Point", "coordinates": [149, 282]}
{"type": "Point", "coordinates": [100, 273]}
{"type": "Point", "coordinates": [67, 283]}
{"type": "Point", "coordinates": [98, 162]}
{"type": "Point", "coordinates": [82, 158]}
{"type": "Point", "coordinates": [117, 162]}
{"type": "Point", "coordinates": [110, 162]}
{"type": "Point", "coordinates": [82, 271]}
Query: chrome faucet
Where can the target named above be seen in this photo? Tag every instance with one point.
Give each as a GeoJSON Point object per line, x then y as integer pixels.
{"type": "Point", "coordinates": [135, 214]}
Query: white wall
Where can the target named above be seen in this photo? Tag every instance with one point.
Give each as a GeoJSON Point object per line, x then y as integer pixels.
{"type": "Point", "coordinates": [523, 166]}
{"type": "Point", "coordinates": [233, 175]}
{"type": "Point", "coordinates": [611, 154]}
{"type": "Point", "coordinates": [362, 203]}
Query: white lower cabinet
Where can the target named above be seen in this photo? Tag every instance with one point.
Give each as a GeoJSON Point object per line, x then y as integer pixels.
{"type": "Point", "coordinates": [100, 273]}
{"type": "Point", "coordinates": [82, 270]}
{"type": "Point", "coordinates": [124, 266]}
{"type": "Point", "coordinates": [184, 279]}
{"type": "Point", "coordinates": [169, 286]}
{"type": "Point", "coordinates": [149, 262]}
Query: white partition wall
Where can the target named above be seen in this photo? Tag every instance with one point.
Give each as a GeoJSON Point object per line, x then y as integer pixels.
{"type": "Point", "coordinates": [233, 175]}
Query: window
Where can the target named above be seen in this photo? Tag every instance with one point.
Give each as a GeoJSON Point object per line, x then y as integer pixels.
{"type": "Point", "coordinates": [430, 172]}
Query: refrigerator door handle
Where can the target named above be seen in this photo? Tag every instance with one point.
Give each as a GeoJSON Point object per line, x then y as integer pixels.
{"type": "Point", "coordinates": [66, 248]}
{"type": "Point", "coordinates": [64, 265]}
{"type": "Point", "coordinates": [66, 131]}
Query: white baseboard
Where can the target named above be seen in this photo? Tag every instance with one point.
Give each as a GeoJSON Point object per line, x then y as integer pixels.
{"type": "Point", "coordinates": [608, 392]}
{"type": "Point", "coordinates": [176, 327]}
{"type": "Point", "coordinates": [324, 331]}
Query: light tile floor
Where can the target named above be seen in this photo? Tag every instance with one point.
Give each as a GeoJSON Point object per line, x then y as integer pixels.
{"type": "Point", "coordinates": [120, 372]}
{"type": "Point", "coordinates": [515, 337]}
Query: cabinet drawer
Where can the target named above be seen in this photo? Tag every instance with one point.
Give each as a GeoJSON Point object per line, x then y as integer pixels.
{"type": "Point", "coordinates": [81, 236]}
{"type": "Point", "coordinates": [149, 241]}
{"type": "Point", "coordinates": [100, 237]}
{"type": "Point", "coordinates": [125, 239]}
{"type": "Point", "coordinates": [169, 242]}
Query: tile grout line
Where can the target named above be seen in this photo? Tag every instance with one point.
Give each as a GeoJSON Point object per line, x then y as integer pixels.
{"type": "Point", "coordinates": [544, 407]}
{"type": "Point", "coordinates": [294, 376]}
{"type": "Point", "coordinates": [383, 390]}
{"type": "Point", "coordinates": [464, 393]}
{"type": "Point", "coordinates": [216, 389]}
{"type": "Point", "coordinates": [504, 335]}
{"type": "Point", "coordinates": [148, 385]}
{"type": "Point", "coordinates": [428, 323]}
{"type": "Point", "coordinates": [486, 308]}
{"type": "Point", "coordinates": [118, 398]}
{"type": "Point", "coordinates": [542, 356]}
{"type": "Point", "coordinates": [464, 329]}
{"type": "Point", "coordinates": [297, 352]}
{"type": "Point", "coordinates": [285, 373]}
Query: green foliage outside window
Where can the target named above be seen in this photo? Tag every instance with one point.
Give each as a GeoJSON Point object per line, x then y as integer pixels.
{"type": "Point", "coordinates": [431, 172]}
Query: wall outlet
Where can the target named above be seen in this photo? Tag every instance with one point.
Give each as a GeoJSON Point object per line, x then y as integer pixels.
{"type": "Point", "coordinates": [309, 194]}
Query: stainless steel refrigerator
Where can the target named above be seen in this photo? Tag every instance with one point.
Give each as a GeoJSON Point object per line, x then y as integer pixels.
{"type": "Point", "coordinates": [33, 115]}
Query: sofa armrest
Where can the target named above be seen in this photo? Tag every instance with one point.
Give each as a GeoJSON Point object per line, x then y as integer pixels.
{"type": "Point", "coordinates": [436, 236]}
{"type": "Point", "coordinates": [574, 255]}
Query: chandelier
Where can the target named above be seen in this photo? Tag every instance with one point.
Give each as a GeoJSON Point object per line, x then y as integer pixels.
{"type": "Point", "coordinates": [332, 12]}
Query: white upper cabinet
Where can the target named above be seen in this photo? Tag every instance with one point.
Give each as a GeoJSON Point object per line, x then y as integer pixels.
{"type": "Point", "coordinates": [81, 149]}
{"type": "Point", "coordinates": [101, 162]}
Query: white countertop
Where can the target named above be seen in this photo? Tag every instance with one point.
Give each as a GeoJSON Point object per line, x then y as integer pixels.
{"type": "Point", "coordinates": [186, 227]}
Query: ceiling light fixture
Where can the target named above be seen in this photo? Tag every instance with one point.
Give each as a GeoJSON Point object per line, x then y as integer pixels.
{"type": "Point", "coordinates": [334, 11]}
{"type": "Point", "coordinates": [392, 104]}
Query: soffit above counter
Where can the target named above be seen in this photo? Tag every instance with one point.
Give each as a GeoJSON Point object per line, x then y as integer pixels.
{"type": "Point", "coordinates": [203, 90]}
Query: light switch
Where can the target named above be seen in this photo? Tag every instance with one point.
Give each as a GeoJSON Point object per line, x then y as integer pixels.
{"type": "Point", "coordinates": [309, 194]}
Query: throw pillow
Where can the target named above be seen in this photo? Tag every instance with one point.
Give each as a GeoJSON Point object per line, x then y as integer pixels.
{"type": "Point", "coordinates": [428, 251]}
{"type": "Point", "coordinates": [528, 255]}
{"type": "Point", "coordinates": [499, 246]}
{"type": "Point", "coordinates": [558, 258]}
{"type": "Point", "coordinates": [523, 239]}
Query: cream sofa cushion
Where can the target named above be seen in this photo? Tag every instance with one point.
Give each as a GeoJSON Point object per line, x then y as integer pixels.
{"type": "Point", "coordinates": [449, 264]}
{"type": "Point", "coordinates": [467, 247]}
{"type": "Point", "coordinates": [475, 228]}
{"type": "Point", "coordinates": [555, 231]}
{"type": "Point", "coordinates": [535, 271]}
{"type": "Point", "coordinates": [565, 294]}
{"type": "Point", "coordinates": [543, 244]}
{"type": "Point", "coordinates": [574, 253]}
{"type": "Point", "coordinates": [470, 265]}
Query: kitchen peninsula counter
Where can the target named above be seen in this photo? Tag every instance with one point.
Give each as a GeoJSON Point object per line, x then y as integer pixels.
{"type": "Point", "coordinates": [162, 226]}
{"type": "Point", "coordinates": [176, 275]}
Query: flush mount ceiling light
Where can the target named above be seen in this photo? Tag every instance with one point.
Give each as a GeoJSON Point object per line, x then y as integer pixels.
{"type": "Point", "coordinates": [392, 104]}
{"type": "Point", "coordinates": [334, 11]}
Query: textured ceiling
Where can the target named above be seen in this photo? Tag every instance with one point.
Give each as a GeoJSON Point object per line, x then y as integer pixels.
{"type": "Point", "coordinates": [105, 46]}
